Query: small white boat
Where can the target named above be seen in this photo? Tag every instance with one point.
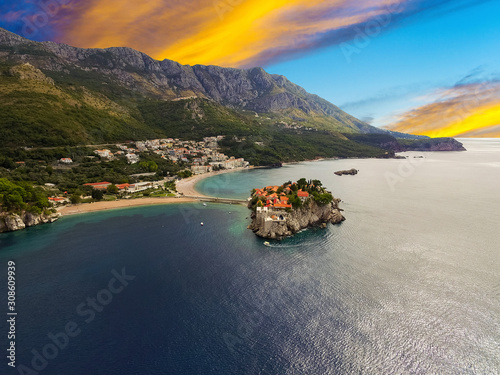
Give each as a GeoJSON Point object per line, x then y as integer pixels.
{"type": "Point", "coordinates": [267, 243]}
{"type": "Point", "coordinates": [205, 204]}
{"type": "Point", "coordinates": [201, 223]}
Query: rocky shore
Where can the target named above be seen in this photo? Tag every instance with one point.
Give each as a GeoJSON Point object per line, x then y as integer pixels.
{"type": "Point", "coordinates": [282, 211]}
{"type": "Point", "coordinates": [10, 222]}
{"type": "Point", "coordinates": [311, 214]}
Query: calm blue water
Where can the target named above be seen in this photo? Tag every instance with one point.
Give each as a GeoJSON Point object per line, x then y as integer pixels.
{"type": "Point", "coordinates": [408, 284]}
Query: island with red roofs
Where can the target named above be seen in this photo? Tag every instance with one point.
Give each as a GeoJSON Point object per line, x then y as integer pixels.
{"type": "Point", "coordinates": [281, 211]}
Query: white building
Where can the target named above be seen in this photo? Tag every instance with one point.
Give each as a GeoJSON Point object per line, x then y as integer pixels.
{"type": "Point", "coordinates": [132, 158]}
{"type": "Point", "coordinates": [200, 169]}
{"type": "Point", "coordinates": [105, 153]}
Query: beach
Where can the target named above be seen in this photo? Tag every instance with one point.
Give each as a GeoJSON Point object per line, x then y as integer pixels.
{"type": "Point", "coordinates": [185, 187]}
{"type": "Point", "coordinates": [122, 203]}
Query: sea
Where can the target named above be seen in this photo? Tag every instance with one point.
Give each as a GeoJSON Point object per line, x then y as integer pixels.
{"type": "Point", "coordinates": [408, 284]}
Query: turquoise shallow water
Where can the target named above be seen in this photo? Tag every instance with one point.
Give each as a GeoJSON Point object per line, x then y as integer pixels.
{"type": "Point", "coordinates": [408, 284]}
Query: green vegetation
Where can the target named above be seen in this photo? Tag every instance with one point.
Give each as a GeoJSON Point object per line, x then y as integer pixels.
{"type": "Point", "coordinates": [41, 166]}
{"type": "Point", "coordinates": [281, 146]}
{"type": "Point", "coordinates": [29, 193]}
{"type": "Point", "coordinates": [185, 174]}
{"type": "Point", "coordinates": [193, 118]}
{"type": "Point", "coordinates": [22, 196]}
{"type": "Point", "coordinates": [87, 107]}
{"type": "Point", "coordinates": [97, 194]}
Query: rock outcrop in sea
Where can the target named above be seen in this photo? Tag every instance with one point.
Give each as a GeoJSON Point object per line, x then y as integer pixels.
{"type": "Point", "coordinates": [289, 223]}
{"type": "Point", "coordinates": [351, 172]}
{"type": "Point", "coordinates": [282, 211]}
{"type": "Point", "coordinates": [10, 222]}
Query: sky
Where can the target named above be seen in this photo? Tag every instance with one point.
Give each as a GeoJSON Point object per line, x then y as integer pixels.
{"type": "Point", "coordinates": [419, 66]}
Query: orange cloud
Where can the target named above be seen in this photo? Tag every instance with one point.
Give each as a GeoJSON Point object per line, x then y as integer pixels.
{"type": "Point", "coordinates": [237, 33]}
{"type": "Point", "coordinates": [471, 110]}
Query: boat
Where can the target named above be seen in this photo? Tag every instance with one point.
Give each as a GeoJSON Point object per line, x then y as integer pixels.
{"type": "Point", "coordinates": [201, 223]}
{"type": "Point", "coordinates": [205, 204]}
{"type": "Point", "coordinates": [267, 243]}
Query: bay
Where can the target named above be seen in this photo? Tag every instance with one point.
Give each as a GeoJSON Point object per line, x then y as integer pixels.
{"type": "Point", "coordinates": [408, 284]}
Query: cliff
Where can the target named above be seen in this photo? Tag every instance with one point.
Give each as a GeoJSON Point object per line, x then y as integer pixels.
{"type": "Point", "coordinates": [10, 222]}
{"type": "Point", "coordinates": [285, 224]}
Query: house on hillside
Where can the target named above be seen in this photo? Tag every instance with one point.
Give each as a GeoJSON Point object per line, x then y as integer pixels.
{"type": "Point", "coordinates": [58, 200]}
{"type": "Point", "coordinates": [132, 158]}
{"type": "Point", "coordinates": [66, 160]}
{"type": "Point", "coordinates": [104, 153]}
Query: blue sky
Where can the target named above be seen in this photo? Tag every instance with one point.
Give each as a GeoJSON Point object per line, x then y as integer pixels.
{"type": "Point", "coordinates": [403, 64]}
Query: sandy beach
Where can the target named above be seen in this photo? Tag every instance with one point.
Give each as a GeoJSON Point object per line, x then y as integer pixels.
{"type": "Point", "coordinates": [122, 203]}
{"type": "Point", "coordinates": [185, 187]}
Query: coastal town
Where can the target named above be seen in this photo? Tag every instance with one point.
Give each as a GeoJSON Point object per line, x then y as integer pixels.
{"type": "Point", "coordinates": [195, 157]}
{"type": "Point", "coordinates": [62, 181]}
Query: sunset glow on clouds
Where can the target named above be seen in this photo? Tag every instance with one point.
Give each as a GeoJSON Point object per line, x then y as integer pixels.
{"type": "Point", "coordinates": [236, 33]}
{"type": "Point", "coordinates": [470, 110]}
{"type": "Point", "coordinates": [360, 51]}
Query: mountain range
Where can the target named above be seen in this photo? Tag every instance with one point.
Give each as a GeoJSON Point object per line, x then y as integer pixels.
{"type": "Point", "coordinates": [55, 95]}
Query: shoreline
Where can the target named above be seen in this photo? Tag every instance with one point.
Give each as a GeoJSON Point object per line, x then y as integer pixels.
{"type": "Point", "coordinates": [84, 208]}
{"type": "Point", "coordinates": [186, 187]}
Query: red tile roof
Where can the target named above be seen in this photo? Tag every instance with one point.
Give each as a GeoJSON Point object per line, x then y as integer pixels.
{"type": "Point", "coordinates": [282, 205]}
{"type": "Point", "coordinates": [302, 194]}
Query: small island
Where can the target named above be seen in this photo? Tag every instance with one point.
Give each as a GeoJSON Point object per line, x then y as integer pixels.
{"type": "Point", "coordinates": [282, 211]}
{"type": "Point", "coordinates": [351, 172]}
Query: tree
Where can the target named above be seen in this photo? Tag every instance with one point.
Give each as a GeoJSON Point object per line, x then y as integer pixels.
{"type": "Point", "coordinates": [185, 173]}
{"type": "Point", "coordinates": [87, 190]}
{"type": "Point", "coordinates": [112, 189]}
{"type": "Point", "coordinates": [317, 183]}
{"type": "Point", "coordinates": [75, 198]}
{"type": "Point", "coordinates": [295, 201]}
{"type": "Point", "coordinates": [11, 195]}
{"type": "Point", "coordinates": [149, 166]}
{"type": "Point", "coordinates": [302, 183]}
{"type": "Point", "coordinates": [324, 198]}
{"type": "Point", "coordinates": [97, 194]}
{"type": "Point", "coordinates": [8, 163]}
{"type": "Point", "coordinates": [21, 195]}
